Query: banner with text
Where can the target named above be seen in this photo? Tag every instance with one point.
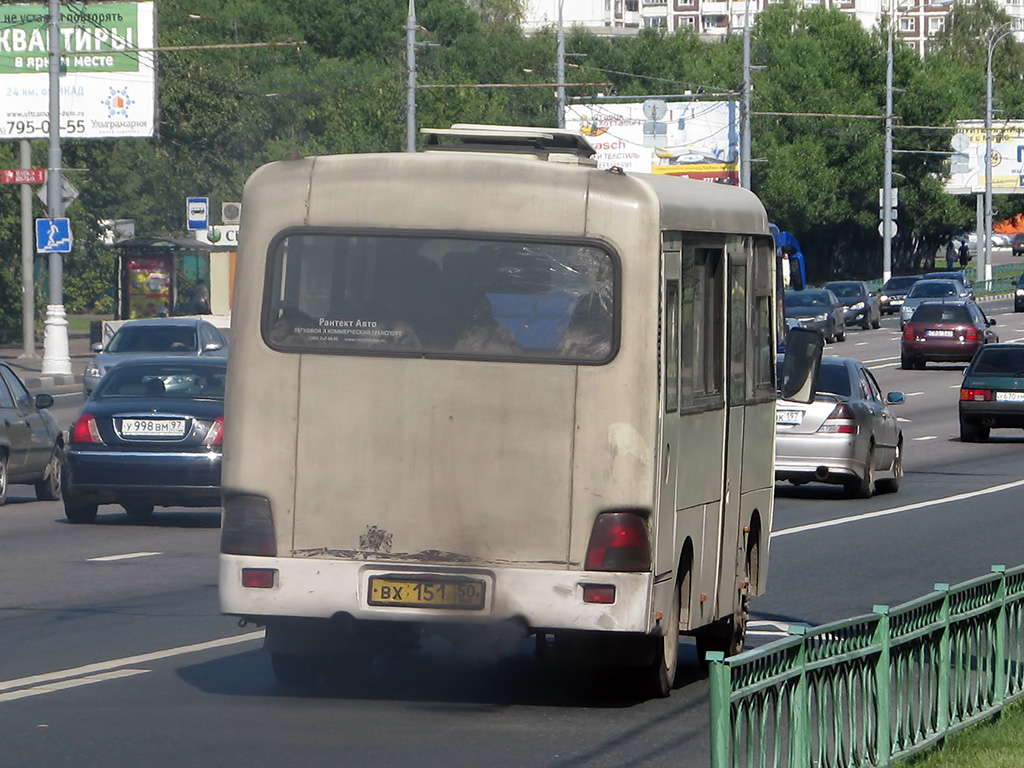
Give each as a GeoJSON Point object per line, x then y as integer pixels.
{"type": "Point", "coordinates": [967, 175]}
{"type": "Point", "coordinates": [107, 85]}
{"type": "Point", "coordinates": [699, 140]}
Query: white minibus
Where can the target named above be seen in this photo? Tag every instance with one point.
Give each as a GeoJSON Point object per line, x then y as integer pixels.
{"type": "Point", "coordinates": [490, 391]}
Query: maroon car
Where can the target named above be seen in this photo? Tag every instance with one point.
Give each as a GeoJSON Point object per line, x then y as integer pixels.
{"type": "Point", "coordinates": [945, 332]}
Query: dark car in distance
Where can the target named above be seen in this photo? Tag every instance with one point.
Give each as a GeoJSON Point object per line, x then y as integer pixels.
{"type": "Point", "coordinates": [992, 392]}
{"type": "Point", "coordinates": [894, 292]}
{"type": "Point", "coordinates": [149, 435]}
{"type": "Point", "coordinates": [1017, 244]}
{"type": "Point", "coordinates": [947, 332]}
{"type": "Point", "coordinates": [1018, 295]}
{"type": "Point", "coordinates": [817, 309]}
{"type": "Point", "coordinates": [860, 304]}
{"type": "Point", "coordinates": [31, 440]}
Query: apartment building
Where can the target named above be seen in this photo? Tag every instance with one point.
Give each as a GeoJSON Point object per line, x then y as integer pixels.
{"type": "Point", "coordinates": [918, 20]}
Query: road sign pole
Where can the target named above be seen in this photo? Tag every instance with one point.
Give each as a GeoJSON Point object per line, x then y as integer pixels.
{"type": "Point", "coordinates": [56, 351]}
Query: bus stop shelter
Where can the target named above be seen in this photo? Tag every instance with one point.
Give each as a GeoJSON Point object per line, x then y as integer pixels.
{"type": "Point", "coordinates": [163, 276]}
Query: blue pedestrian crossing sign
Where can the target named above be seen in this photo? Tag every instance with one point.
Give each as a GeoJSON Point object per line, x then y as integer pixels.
{"type": "Point", "coordinates": [53, 235]}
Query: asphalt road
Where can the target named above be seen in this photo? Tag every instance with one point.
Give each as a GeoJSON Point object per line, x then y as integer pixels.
{"type": "Point", "coordinates": [113, 651]}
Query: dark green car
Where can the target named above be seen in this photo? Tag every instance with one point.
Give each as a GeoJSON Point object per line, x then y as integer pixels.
{"type": "Point", "coordinates": [992, 392]}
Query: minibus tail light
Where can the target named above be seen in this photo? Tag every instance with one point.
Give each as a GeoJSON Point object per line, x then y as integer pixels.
{"type": "Point", "coordinates": [248, 527]}
{"type": "Point", "coordinates": [619, 541]}
{"type": "Point", "coordinates": [85, 430]}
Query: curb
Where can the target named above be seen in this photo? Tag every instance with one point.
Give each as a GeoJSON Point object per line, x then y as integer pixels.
{"type": "Point", "coordinates": [43, 383]}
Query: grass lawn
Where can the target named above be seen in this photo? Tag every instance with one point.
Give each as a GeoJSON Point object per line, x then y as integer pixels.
{"type": "Point", "coordinates": [994, 744]}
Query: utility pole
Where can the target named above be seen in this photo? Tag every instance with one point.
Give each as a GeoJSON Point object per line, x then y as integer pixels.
{"type": "Point", "coordinates": [28, 286]}
{"type": "Point", "coordinates": [56, 353]}
{"type": "Point", "coordinates": [985, 267]}
{"type": "Point", "coordinates": [887, 222]}
{"type": "Point", "coordinates": [410, 90]}
{"type": "Point", "coordinates": [560, 71]}
{"type": "Point", "coordinates": [745, 137]}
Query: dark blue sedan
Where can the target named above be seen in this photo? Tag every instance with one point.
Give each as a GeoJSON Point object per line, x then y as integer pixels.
{"type": "Point", "coordinates": [149, 435]}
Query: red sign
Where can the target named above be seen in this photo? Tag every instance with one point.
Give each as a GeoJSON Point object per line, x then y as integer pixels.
{"type": "Point", "coordinates": [23, 176]}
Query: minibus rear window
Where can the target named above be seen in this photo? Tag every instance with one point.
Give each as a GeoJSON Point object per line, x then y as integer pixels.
{"type": "Point", "coordinates": [443, 297]}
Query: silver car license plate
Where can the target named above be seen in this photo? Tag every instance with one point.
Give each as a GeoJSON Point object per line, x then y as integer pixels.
{"type": "Point", "coordinates": [152, 427]}
{"type": "Point", "coordinates": [788, 418]}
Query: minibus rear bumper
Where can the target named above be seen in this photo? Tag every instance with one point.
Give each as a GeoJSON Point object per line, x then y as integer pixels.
{"type": "Point", "coordinates": [544, 599]}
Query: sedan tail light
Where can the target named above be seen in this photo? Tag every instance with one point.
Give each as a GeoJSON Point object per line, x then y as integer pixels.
{"type": "Point", "coordinates": [216, 434]}
{"type": "Point", "coordinates": [842, 421]}
{"type": "Point", "coordinates": [908, 331]}
{"type": "Point", "coordinates": [976, 395]}
{"type": "Point", "coordinates": [85, 430]}
{"type": "Point", "coordinates": [970, 333]}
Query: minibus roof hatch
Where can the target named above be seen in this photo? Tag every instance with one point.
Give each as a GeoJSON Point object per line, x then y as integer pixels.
{"type": "Point", "coordinates": [559, 145]}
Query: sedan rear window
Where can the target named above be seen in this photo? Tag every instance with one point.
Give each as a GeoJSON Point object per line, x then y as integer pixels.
{"type": "Point", "coordinates": [1000, 360]}
{"type": "Point", "coordinates": [834, 379]}
{"type": "Point", "coordinates": [933, 290]}
{"type": "Point", "coordinates": [149, 338]}
{"type": "Point", "coordinates": [939, 313]}
{"type": "Point", "coordinates": [149, 381]}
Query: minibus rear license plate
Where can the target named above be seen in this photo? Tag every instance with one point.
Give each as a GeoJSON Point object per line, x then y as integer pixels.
{"type": "Point", "coordinates": [427, 592]}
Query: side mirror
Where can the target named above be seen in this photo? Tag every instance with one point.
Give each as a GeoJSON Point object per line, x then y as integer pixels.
{"type": "Point", "coordinates": [895, 398]}
{"type": "Point", "coordinates": [211, 347]}
{"type": "Point", "coordinates": [991, 321]}
{"type": "Point", "coordinates": [44, 401]}
{"type": "Point", "coordinates": [801, 365]}
{"type": "Point", "coordinates": [97, 347]}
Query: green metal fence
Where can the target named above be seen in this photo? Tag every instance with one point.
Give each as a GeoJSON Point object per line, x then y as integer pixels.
{"type": "Point", "coordinates": [874, 688]}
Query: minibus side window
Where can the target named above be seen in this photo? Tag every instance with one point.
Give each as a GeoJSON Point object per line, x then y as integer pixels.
{"type": "Point", "coordinates": [672, 345]}
{"type": "Point", "coordinates": [703, 342]}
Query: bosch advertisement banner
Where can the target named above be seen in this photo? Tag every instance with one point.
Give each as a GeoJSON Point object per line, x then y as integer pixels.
{"type": "Point", "coordinates": [699, 140]}
{"type": "Point", "coordinates": [107, 85]}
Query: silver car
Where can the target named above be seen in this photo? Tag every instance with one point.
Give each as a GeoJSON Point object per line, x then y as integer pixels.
{"type": "Point", "coordinates": [931, 289]}
{"type": "Point", "coordinates": [187, 336]}
{"type": "Point", "coordinates": [848, 436]}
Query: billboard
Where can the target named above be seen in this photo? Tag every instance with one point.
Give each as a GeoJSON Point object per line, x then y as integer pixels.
{"type": "Point", "coordinates": [967, 176]}
{"type": "Point", "coordinates": [107, 85]}
{"type": "Point", "coordinates": [699, 140]}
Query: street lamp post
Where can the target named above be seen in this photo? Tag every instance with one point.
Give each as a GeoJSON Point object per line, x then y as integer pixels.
{"type": "Point", "coordinates": [56, 356]}
{"type": "Point", "coordinates": [994, 38]}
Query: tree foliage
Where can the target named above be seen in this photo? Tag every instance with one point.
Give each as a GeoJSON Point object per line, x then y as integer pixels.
{"type": "Point", "coordinates": [818, 100]}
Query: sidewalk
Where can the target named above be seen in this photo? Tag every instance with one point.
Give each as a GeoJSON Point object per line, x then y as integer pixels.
{"type": "Point", "coordinates": [29, 369]}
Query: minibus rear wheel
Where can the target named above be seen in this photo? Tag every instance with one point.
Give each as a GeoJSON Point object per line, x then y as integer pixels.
{"type": "Point", "coordinates": [662, 674]}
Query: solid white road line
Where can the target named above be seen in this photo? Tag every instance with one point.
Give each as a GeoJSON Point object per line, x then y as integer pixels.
{"type": "Point", "coordinates": [65, 684]}
{"type": "Point", "coordinates": [129, 556]}
{"type": "Point", "coordinates": [127, 661]}
{"type": "Point", "coordinates": [926, 437]}
{"type": "Point", "coordinates": [898, 510]}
